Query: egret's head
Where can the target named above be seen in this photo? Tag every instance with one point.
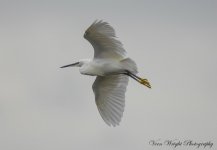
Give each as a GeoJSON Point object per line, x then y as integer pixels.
{"type": "Point", "coordinates": [80, 63]}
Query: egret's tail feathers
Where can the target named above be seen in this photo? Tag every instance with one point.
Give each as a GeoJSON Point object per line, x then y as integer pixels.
{"type": "Point", "coordinates": [129, 65]}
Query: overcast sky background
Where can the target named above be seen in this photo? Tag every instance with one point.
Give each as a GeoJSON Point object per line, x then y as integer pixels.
{"type": "Point", "coordinates": [43, 107]}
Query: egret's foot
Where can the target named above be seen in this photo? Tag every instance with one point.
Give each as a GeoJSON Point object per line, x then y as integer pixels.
{"type": "Point", "coordinates": [145, 82]}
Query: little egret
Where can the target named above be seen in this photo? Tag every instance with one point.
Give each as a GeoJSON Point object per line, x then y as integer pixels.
{"type": "Point", "coordinates": [111, 68]}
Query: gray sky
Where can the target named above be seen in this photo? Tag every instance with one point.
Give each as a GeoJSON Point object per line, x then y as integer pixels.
{"type": "Point", "coordinates": [43, 107]}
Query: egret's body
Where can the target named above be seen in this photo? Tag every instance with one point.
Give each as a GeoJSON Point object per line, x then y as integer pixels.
{"type": "Point", "coordinates": [112, 68]}
{"type": "Point", "coordinates": [101, 67]}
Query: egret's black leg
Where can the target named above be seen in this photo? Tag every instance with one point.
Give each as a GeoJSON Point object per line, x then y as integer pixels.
{"type": "Point", "coordinates": [128, 74]}
{"type": "Point", "coordinates": [138, 79]}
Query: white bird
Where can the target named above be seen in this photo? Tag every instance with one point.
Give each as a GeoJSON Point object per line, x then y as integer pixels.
{"type": "Point", "coordinates": [111, 68]}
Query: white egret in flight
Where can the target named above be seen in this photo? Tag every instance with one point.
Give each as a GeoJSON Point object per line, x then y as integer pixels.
{"type": "Point", "coordinates": [112, 68]}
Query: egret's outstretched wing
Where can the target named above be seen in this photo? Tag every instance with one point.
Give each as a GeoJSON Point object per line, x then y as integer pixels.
{"type": "Point", "coordinates": [103, 39]}
{"type": "Point", "coordinates": [110, 97]}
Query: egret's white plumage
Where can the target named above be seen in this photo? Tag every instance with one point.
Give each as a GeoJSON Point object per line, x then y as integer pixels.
{"type": "Point", "coordinates": [112, 68]}
{"type": "Point", "coordinates": [103, 39]}
{"type": "Point", "coordinates": [110, 97]}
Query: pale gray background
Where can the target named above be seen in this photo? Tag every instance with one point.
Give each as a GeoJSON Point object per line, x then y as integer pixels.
{"type": "Point", "coordinates": [43, 107]}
